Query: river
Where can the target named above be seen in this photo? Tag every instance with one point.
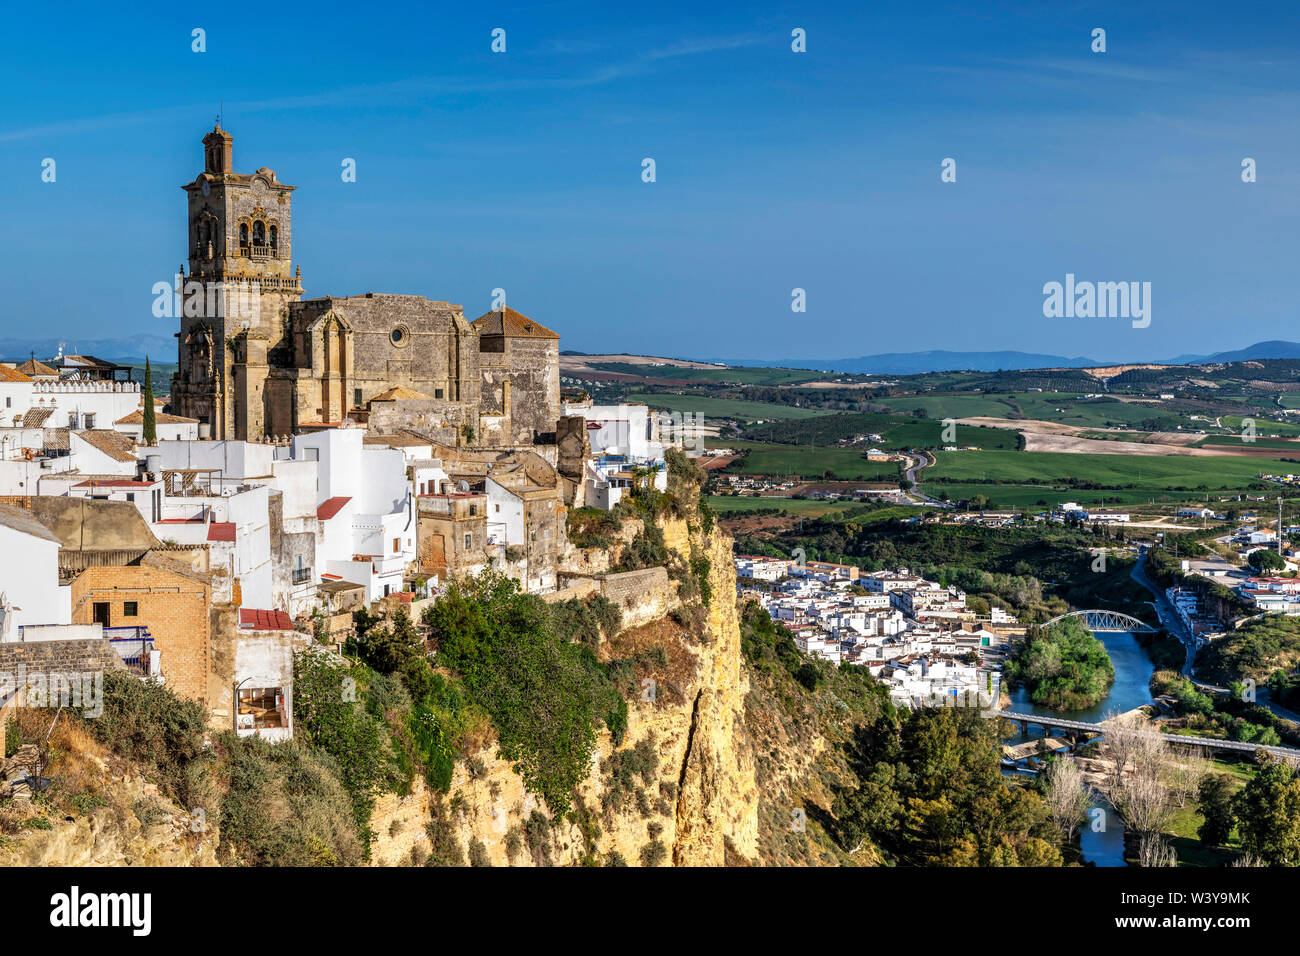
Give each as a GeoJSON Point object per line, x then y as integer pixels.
{"type": "Point", "coordinates": [1133, 670]}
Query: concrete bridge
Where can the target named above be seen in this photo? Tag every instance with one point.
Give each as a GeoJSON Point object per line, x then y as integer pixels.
{"type": "Point", "coordinates": [1082, 731]}
{"type": "Point", "coordinates": [1102, 620]}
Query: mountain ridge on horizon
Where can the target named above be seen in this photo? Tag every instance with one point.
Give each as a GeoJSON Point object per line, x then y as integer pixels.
{"type": "Point", "coordinates": [162, 349]}
{"type": "Point", "coordinates": [939, 360]}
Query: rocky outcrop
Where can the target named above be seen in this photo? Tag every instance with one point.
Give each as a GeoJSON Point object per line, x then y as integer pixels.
{"type": "Point", "coordinates": [128, 825]}
{"type": "Point", "coordinates": [698, 802]}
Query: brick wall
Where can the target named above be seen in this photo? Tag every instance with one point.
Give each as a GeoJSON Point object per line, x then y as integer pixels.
{"type": "Point", "coordinates": [172, 605]}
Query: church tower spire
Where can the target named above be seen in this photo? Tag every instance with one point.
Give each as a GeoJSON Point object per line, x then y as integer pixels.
{"type": "Point", "coordinates": [218, 152]}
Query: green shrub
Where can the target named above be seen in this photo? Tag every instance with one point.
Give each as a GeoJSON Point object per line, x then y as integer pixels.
{"type": "Point", "coordinates": [284, 806]}
{"type": "Point", "coordinates": [147, 722]}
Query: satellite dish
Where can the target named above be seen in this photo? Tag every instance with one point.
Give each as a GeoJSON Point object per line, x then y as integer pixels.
{"type": "Point", "coordinates": [462, 485]}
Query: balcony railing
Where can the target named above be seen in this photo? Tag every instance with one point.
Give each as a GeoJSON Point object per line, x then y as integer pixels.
{"type": "Point", "coordinates": [256, 251]}
{"type": "Point", "coordinates": [301, 575]}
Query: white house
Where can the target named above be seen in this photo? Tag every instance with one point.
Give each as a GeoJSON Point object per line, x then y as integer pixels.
{"type": "Point", "coordinates": [102, 452]}
{"type": "Point", "coordinates": [167, 427]}
{"type": "Point", "coordinates": [15, 395]}
{"type": "Point", "coordinates": [29, 574]}
{"type": "Point", "coordinates": [378, 507]}
{"type": "Point", "coordinates": [86, 404]}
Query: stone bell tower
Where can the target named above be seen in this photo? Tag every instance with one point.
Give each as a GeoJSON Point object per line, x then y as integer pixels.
{"type": "Point", "coordinates": [235, 300]}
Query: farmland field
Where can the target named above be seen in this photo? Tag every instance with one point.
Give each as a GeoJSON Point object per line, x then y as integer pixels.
{"type": "Point", "coordinates": [1262, 426]}
{"type": "Point", "coordinates": [845, 463]}
{"type": "Point", "coordinates": [1073, 409]}
{"type": "Point", "coordinates": [730, 504]}
{"type": "Point", "coordinates": [896, 431]}
{"type": "Point", "coordinates": [1153, 473]}
{"type": "Point", "coordinates": [1039, 496]}
{"type": "Point", "coordinates": [725, 407]}
{"type": "Point", "coordinates": [706, 376]}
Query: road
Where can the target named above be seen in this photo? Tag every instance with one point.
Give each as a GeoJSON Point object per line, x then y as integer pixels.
{"type": "Point", "coordinates": [1169, 617]}
{"type": "Point", "coordinates": [1175, 626]}
{"type": "Point", "coordinates": [922, 460]}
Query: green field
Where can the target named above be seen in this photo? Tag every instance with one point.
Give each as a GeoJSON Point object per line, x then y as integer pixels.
{"type": "Point", "coordinates": [1236, 441]}
{"type": "Point", "coordinates": [1030, 496]}
{"type": "Point", "coordinates": [1262, 426]}
{"type": "Point", "coordinates": [718, 376]}
{"type": "Point", "coordinates": [733, 505]}
{"type": "Point", "coordinates": [1289, 400]}
{"type": "Point", "coordinates": [810, 462]}
{"type": "Point", "coordinates": [897, 432]}
{"type": "Point", "coordinates": [1069, 408]}
{"type": "Point", "coordinates": [725, 407]}
{"type": "Point", "coordinates": [1147, 472]}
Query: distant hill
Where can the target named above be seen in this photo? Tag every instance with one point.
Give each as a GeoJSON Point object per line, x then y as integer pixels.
{"type": "Point", "coordinates": [135, 347]}
{"type": "Point", "coordinates": [912, 363]}
{"type": "Point", "coordinates": [1273, 349]}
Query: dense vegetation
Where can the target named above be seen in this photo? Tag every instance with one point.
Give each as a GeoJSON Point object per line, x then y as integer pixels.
{"type": "Point", "coordinates": [1063, 666]}
{"type": "Point", "coordinates": [544, 693]}
{"type": "Point", "coordinates": [1255, 650]}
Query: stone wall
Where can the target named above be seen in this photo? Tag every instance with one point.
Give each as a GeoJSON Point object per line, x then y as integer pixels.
{"type": "Point", "coordinates": [438, 420]}
{"type": "Point", "coordinates": [642, 596]}
{"type": "Point", "coordinates": [94, 654]}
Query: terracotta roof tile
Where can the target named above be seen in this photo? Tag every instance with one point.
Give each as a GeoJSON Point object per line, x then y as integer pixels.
{"type": "Point", "coordinates": [113, 444]}
{"type": "Point", "coordinates": [509, 322]}
{"type": "Point", "coordinates": [260, 620]}
{"type": "Point", "coordinates": [330, 507]}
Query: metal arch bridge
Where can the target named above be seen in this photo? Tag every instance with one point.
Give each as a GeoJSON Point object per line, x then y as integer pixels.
{"type": "Point", "coordinates": [1099, 620]}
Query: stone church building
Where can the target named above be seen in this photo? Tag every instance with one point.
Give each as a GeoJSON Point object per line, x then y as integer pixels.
{"type": "Point", "coordinates": [258, 360]}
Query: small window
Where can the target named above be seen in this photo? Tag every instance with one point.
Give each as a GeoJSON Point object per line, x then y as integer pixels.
{"type": "Point", "coordinates": [397, 545]}
{"type": "Point", "coordinates": [473, 510]}
{"type": "Point", "coordinates": [130, 496]}
{"type": "Point", "coordinates": [130, 609]}
{"type": "Point", "coordinates": [261, 708]}
{"type": "Point", "coordinates": [89, 419]}
{"type": "Point", "coordinates": [9, 402]}
{"type": "Point", "coordinates": [356, 398]}
{"type": "Point", "coordinates": [469, 541]}
{"type": "Point", "coordinates": [498, 507]}
{"type": "Point", "coordinates": [399, 336]}
{"type": "Point", "coordinates": [437, 393]}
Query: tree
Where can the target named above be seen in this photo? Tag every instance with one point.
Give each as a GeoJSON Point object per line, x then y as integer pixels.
{"type": "Point", "coordinates": [1067, 796]}
{"type": "Point", "coordinates": [150, 434]}
{"type": "Point", "coordinates": [1268, 815]}
{"type": "Point", "coordinates": [1265, 560]}
{"type": "Point", "coordinates": [1215, 796]}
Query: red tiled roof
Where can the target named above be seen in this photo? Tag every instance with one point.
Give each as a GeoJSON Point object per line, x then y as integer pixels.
{"type": "Point", "coordinates": [8, 374]}
{"type": "Point", "coordinates": [264, 620]}
{"type": "Point", "coordinates": [221, 531]}
{"type": "Point", "coordinates": [330, 507]}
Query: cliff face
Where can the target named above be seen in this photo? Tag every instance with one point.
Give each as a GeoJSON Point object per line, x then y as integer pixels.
{"type": "Point", "coordinates": [127, 823]}
{"type": "Point", "coordinates": [679, 790]}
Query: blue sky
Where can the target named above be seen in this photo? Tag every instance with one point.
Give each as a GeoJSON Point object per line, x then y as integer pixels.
{"type": "Point", "coordinates": [775, 170]}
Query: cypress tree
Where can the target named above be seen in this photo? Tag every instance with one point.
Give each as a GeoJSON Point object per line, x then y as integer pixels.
{"type": "Point", "coordinates": [150, 424]}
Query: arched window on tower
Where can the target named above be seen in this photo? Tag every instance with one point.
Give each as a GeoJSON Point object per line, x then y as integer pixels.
{"type": "Point", "coordinates": [275, 240]}
{"type": "Point", "coordinates": [243, 237]}
{"type": "Point", "coordinates": [259, 233]}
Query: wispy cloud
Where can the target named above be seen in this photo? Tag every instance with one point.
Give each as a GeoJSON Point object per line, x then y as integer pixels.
{"type": "Point", "coordinates": [415, 87]}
